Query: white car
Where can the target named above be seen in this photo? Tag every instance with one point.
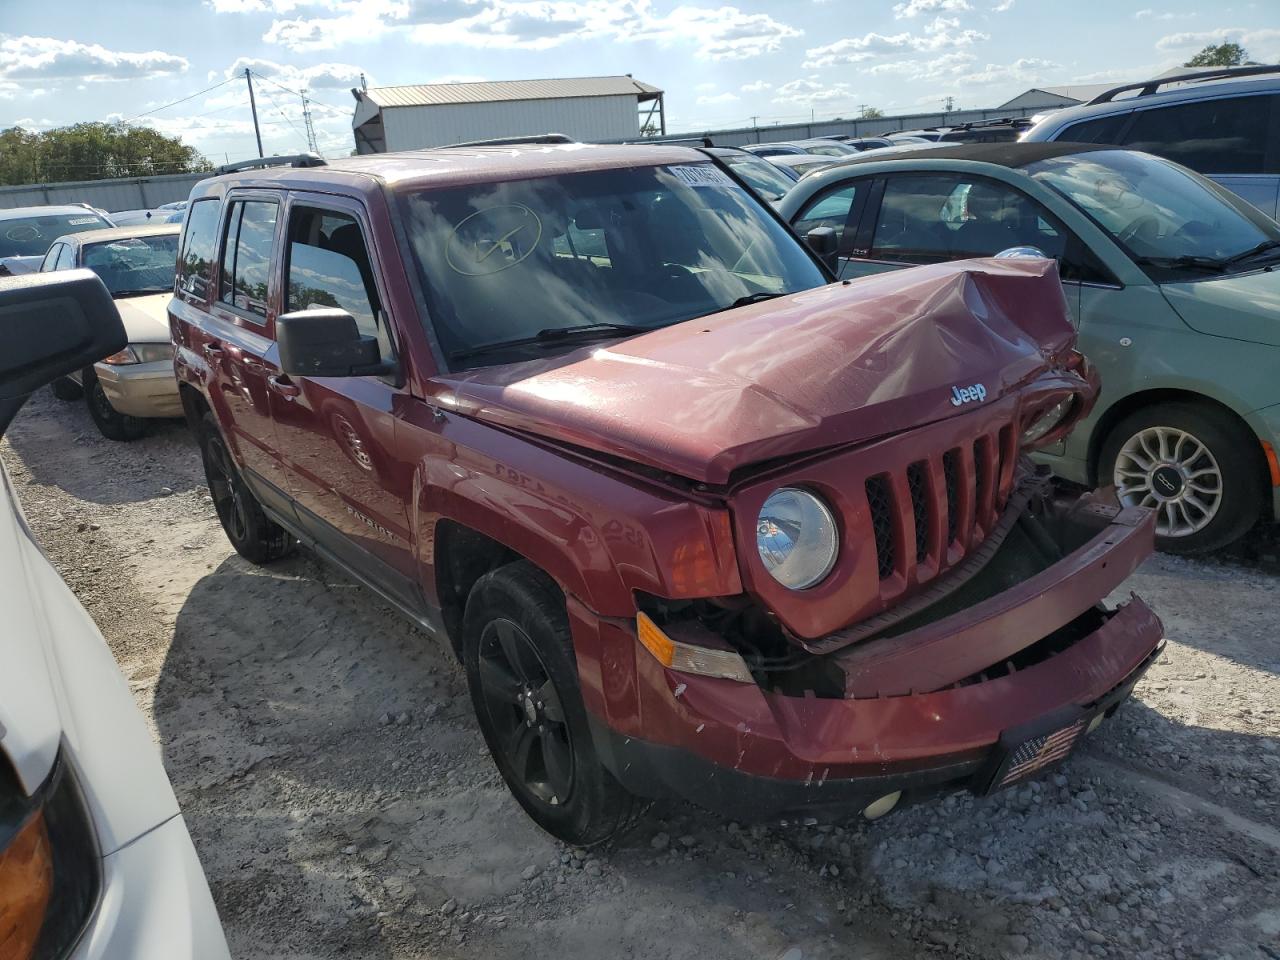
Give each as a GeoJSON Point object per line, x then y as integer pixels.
{"type": "Point", "coordinates": [95, 859]}
{"type": "Point", "coordinates": [26, 232]}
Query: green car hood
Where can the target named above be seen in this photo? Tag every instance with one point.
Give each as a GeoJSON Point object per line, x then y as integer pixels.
{"type": "Point", "coordinates": [1243, 307]}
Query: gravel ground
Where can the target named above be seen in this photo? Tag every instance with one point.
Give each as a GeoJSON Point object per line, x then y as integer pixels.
{"type": "Point", "coordinates": [342, 802]}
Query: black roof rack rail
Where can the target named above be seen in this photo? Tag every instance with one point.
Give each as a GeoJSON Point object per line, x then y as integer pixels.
{"type": "Point", "coordinates": [1147, 87]}
{"type": "Point", "coordinates": [703, 141]}
{"type": "Point", "coordinates": [288, 160]}
{"type": "Point", "coordinates": [548, 138]}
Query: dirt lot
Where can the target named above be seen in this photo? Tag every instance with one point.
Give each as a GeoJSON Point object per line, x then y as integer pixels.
{"type": "Point", "coordinates": [343, 805]}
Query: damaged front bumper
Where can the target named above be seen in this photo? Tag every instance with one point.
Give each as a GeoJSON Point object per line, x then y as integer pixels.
{"type": "Point", "coordinates": [995, 693]}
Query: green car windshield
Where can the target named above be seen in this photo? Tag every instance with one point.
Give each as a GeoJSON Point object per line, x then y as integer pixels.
{"type": "Point", "coordinates": [1172, 222]}
{"type": "Point", "coordinates": [520, 269]}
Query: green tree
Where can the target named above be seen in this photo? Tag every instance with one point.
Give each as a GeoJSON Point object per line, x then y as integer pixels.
{"type": "Point", "coordinates": [870, 113]}
{"type": "Point", "coordinates": [1225, 54]}
{"type": "Point", "coordinates": [93, 151]}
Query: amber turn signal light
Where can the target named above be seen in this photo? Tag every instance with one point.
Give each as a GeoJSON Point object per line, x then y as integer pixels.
{"type": "Point", "coordinates": [688, 658]}
{"type": "Point", "coordinates": [26, 885]}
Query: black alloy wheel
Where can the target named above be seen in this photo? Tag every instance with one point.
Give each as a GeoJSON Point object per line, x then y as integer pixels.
{"type": "Point", "coordinates": [523, 678]}
{"type": "Point", "coordinates": [526, 713]}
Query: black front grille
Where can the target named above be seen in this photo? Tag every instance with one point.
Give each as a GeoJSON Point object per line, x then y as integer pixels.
{"type": "Point", "coordinates": [881, 522]}
{"type": "Point", "coordinates": [920, 508]}
{"type": "Point", "coordinates": [951, 477]}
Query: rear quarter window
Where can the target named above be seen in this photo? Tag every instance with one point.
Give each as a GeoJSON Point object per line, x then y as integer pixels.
{"type": "Point", "coordinates": [199, 248]}
{"type": "Point", "coordinates": [1226, 135]}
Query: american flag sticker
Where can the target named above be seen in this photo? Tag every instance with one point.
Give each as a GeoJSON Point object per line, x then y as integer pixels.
{"type": "Point", "coordinates": [1035, 754]}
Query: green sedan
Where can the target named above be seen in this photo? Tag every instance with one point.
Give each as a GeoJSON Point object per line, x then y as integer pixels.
{"type": "Point", "coordinates": [1171, 280]}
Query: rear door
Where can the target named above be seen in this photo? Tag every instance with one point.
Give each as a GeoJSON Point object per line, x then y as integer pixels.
{"type": "Point", "coordinates": [236, 337]}
{"type": "Point", "coordinates": [337, 434]}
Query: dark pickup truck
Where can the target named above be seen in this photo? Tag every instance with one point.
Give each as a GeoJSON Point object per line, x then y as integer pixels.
{"type": "Point", "coordinates": [697, 521]}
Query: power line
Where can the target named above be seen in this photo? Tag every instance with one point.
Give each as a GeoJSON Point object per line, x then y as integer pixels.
{"type": "Point", "coordinates": [174, 103]}
{"type": "Point", "coordinates": [276, 106]}
{"type": "Point", "coordinates": [301, 93]}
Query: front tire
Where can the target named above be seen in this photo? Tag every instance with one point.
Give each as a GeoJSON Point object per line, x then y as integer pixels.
{"type": "Point", "coordinates": [255, 537]}
{"type": "Point", "coordinates": [110, 422]}
{"type": "Point", "coordinates": [1196, 467]}
{"type": "Point", "coordinates": [523, 680]}
{"type": "Point", "coordinates": [67, 390]}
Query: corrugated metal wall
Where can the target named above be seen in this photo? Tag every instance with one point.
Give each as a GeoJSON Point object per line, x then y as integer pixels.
{"type": "Point", "coordinates": [135, 193]}
{"type": "Point", "coordinates": [854, 128]}
{"type": "Point", "coordinates": [583, 118]}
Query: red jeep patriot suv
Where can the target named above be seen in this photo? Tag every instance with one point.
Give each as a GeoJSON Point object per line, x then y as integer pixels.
{"type": "Point", "coordinates": [698, 522]}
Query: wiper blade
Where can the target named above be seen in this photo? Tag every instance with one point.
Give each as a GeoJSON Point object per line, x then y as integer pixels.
{"type": "Point", "coordinates": [140, 293]}
{"type": "Point", "coordinates": [1263, 247]}
{"type": "Point", "coordinates": [589, 331]}
{"type": "Point", "coordinates": [749, 299]}
{"type": "Point", "coordinates": [1188, 262]}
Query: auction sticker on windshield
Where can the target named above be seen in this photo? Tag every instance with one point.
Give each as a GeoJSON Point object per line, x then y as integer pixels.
{"type": "Point", "coordinates": [701, 175]}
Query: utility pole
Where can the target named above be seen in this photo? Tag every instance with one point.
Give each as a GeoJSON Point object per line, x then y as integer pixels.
{"type": "Point", "coordinates": [253, 108]}
{"type": "Point", "coordinates": [310, 127]}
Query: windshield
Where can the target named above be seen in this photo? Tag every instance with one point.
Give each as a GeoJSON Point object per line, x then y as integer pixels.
{"type": "Point", "coordinates": [510, 267]}
{"type": "Point", "coordinates": [135, 265]}
{"type": "Point", "coordinates": [32, 236]}
{"type": "Point", "coordinates": [761, 175]}
{"type": "Point", "coordinates": [1169, 220]}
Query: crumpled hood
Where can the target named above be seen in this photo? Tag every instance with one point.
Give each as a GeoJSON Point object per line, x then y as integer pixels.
{"type": "Point", "coordinates": [1242, 307]}
{"type": "Point", "coordinates": [146, 319]}
{"type": "Point", "coordinates": [839, 364]}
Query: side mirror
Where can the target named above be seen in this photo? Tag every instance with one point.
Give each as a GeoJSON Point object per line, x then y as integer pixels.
{"type": "Point", "coordinates": [825, 243]}
{"type": "Point", "coordinates": [52, 324]}
{"type": "Point", "coordinates": [326, 342]}
{"type": "Point", "coordinates": [1022, 253]}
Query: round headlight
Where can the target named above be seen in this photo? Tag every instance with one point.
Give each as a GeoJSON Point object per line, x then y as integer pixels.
{"type": "Point", "coordinates": [797, 539]}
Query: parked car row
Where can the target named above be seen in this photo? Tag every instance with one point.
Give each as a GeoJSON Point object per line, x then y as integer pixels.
{"type": "Point", "coordinates": [705, 511]}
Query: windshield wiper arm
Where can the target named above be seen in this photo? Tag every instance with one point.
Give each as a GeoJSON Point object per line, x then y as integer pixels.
{"type": "Point", "coordinates": [1263, 247]}
{"type": "Point", "coordinates": [1185, 262]}
{"type": "Point", "coordinates": [140, 293]}
{"type": "Point", "coordinates": [750, 298]}
{"type": "Point", "coordinates": [552, 335]}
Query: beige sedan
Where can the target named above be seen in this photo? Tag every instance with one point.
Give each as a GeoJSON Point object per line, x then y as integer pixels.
{"type": "Point", "coordinates": [125, 390]}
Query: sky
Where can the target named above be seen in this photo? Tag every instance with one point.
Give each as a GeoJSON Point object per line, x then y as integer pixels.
{"type": "Point", "coordinates": [722, 64]}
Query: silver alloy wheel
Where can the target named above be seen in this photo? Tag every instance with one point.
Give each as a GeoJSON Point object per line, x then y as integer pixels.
{"type": "Point", "coordinates": [1172, 471]}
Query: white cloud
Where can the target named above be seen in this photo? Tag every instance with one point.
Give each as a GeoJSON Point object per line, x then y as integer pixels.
{"type": "Point", "coordinates": [722, 33]}
{"type": "Point", "coordinates": [812, 92]}
{"type": "Point", "coordinates": [45, 58]}
{"type": "Point", "coordinates": [1263, 43]}
{"type": "Point", "coordinates": [757, 86]}
{"type": "Point", "coordinates": [941, 34]}
{"type": "Point", "coordinates": [710, 99]}
{"type": "Point", "coordinates": [1003, 6]}
{"type": "Point", "coordinates": [943, 66]}
{"type": "Point", "coordinates": [320, 76]}
{"type": "Point", "coordinates": [913, 8]}
{"type": "Point", "coordinates": [1023, 70]}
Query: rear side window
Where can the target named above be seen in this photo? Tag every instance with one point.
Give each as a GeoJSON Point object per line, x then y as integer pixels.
{"type": "Point", "coordinates": [66, 258]}
{"type": "Point", "coordinates": [246, 255]}
{"type": "Point", "coordinates": [50, 261]}
{"type": "Point", "coordinates": [1101, 130]}
{"type": "Point", "coordinates": [1212, 136]}
{"type": "Point", "coordinates": [199, 246]}
{"type": "Point", "coordinates": [329, 266]}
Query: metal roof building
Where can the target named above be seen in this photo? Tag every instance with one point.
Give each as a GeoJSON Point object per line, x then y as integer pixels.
{"type": "Point", "coordinates": [438, 114]}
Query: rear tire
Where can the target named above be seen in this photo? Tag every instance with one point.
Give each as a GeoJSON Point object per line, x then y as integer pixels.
{"type": "Point", "coordinates": [523, 679]}
{"type": "Point", "coordinates": [111, 423]}
{"type": "Point", "coordinates": [255, 537]}
{"type": "Point", "coordinates": [1195, 466]}
{"type": "Point", "coordinates": [66, 389]}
